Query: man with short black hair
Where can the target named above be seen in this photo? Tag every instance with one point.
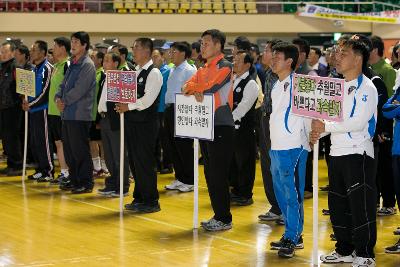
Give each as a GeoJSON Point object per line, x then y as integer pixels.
{"type": "Point", "coordinates": [215, 78]}
{"type": "Point", "coordinates": [243, 165]}
{"type": "Point", "coordinates": [304, 50]}
{"type": "Point", "coordinates": [141, 129]}
{"type": "Point", "coordinates": [274, 213]}
{"type": "Point", "coordinates": [123, 52]}
{"type": "Point", "coordinates": [37, 107]}
{"type": "Point", "coordinates": [164, 161]}
{"type": "Point", "coordinates": [181, 148]}
{"type": "Point", "coordinates": [352, 186]}
{"type": "Point", "coordinates": [384, 140]}
{"type": "Point", "coordinates": [75, 102]}
{"type": "Point", "coordinates": [313, 59]}
{"type": "Point", "coordinates": [10, 111]}
{"type": "Point", "coordinates": [380, 66]}
{"type": "Point", "coordinates": [22, 57]}
{"type": "Point", "coordinates": [61, 49]}
{"type": "Point", "coordinates": [289, 145]}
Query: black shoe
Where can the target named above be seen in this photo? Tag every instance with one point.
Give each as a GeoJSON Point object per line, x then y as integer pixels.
{"type": "Point", "coordinates": [116, 193]}
{"type": "Point", "coordinates": [81, 190]}
{"type": "Point", "coordinates": [393, 249]}
{"type": "Point", "coordinates": [166, 170]}
{"type": "Point", "coordinates": [242, 201]}
{"type": "Point", "coordinates": [35, 176]}
{"type": "Point", "coordinates": [324, 188]}
{"type": "Point", "coordinates": [132, 206]}
{"type": "Point", "coordinates": [106, 191]}
{"type": "Point", "coordinates": [67, 187]}
{"type": "Point", "coordinates": [4, 171]}
{"type": "Point", "coordinates": [333, 237]}
{"type": "Point", "coordinates": [44, 178]}
{"type": "Point", "coordinates": [145, 208]}
{"type": "Point", "coordinates": [276, 245]}
{"type": "Point", "coordinates": [287, 249]}
{"type": "Point", "coordinates": [325, 212]}
{"type": "Point", "coordinates": [280, 221]}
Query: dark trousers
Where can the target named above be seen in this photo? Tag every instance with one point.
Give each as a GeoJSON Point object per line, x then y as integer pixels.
{"type": "Point", "coordinates": [396, 177]}
{"type": "Point", "coordinates": [40, 142]}
{"type": "Point", "coordinates": [384, 175]}
{"type": "Point", "coordinates": [265, 160]}
{"type": "Point", "coordinates": [352, 205]}
{"type": "Point", "coordinates": [141, 141]}
{"type": "Point", "coordinates": [217, 156]}
{"type": "Point", "coordinates": [325, 143]}
{"type": "Point", "coordinates": [163, 155]}
{"type": "Point", "coordinates": [11, 126]}
{"type": "Point", "coordinates": [181, 150]}
{"type": "Point", "coordinates": [243, 166]}
{"type": "Point", "coordinates": [75, 138]}
{"type": "Point", "coordinates": [111, 141]}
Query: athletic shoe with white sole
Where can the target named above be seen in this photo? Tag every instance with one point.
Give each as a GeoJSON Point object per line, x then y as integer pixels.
{"type": "Point", "coordinates": [363, 262]}
{"type": "Point", "coordinates": [174, 185]}
{"type": "Point", "coordinates": [335, 257]}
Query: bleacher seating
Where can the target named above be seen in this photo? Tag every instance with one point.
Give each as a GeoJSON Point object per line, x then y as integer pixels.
{"type": "Point", "coordinates": [186, 6]}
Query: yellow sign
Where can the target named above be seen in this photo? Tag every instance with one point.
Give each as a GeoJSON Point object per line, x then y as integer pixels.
{"type": "Point", "coordinates": [25, 82]}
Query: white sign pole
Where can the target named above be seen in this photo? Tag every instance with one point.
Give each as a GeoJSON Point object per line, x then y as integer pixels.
{"type": "Point", "coordinates": [121, 164]}
{"type": "Point", "coordinates": [25, 143]}
{"type": "Point", "coordinates": [196, 182]}
{"type": "Point", "coordinates": [315, 204]}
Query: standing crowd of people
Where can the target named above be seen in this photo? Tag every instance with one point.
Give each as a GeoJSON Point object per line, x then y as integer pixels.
{"type": "Point", "coordinates": [70, 114]}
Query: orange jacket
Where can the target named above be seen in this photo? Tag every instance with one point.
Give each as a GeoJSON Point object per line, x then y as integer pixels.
{"type": "Point", "coordinates": [215, 78]}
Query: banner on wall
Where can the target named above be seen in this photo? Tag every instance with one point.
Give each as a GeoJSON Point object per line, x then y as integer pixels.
{"type": "Point", "coordinates": [314, 11]}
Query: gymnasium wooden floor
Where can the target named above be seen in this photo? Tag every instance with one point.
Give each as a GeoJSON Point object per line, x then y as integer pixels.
{"type": "Point", "coordinates": [41, 226]}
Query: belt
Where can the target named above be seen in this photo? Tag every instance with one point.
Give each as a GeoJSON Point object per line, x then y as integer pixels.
{"type": "Point", "coordinates": [168, 105]}
{"type": "Point", "coordinates": [102, 114]}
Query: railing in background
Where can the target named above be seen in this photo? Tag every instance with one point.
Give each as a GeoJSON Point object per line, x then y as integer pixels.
{"type": "Point", "coordinates": [187, 6]}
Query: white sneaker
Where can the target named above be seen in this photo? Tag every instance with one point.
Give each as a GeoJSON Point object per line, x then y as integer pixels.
{"type": "Point", "coordinates": [363, 262]}
{"type": "Point", "coordinates": [335, 257]}
{"type": "Point", "coordinates": [185, 188]}
{"type": "Point", "coordinates": [174, 185]}
{"type": "Point", "coordinates": [386, 211]}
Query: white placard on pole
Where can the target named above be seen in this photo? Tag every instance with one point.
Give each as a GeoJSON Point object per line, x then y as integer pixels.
{"type": "Point", "coordinates": [315, 204]}
{"type": "Point", "coordinates": [121, 164]}
{"type": "Point", "coordinates": [121, 88]}
{"type": "Point", "coordinates": [194, 120]}
{"type": "Point", "coordinates": [196, 183]}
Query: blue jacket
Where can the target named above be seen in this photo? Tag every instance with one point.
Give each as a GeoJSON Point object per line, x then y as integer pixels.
{"type": "Point", "coordinates": [392, 111]}
{"type": "Point", "coordinates": [165, 70]}
{"type": "Point", "coordinates": [77, 90]}
{"type": "Point", "coordinates": [43, 73]}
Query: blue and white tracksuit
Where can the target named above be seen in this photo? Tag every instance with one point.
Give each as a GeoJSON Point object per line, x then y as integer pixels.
{"type": "Point", "coordinates": [289, 150]}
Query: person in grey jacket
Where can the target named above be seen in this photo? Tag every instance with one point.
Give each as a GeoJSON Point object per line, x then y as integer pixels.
{"type": "Point", "coordinates": [75, 102]}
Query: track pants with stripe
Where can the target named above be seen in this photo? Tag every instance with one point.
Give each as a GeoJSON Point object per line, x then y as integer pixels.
{"type": "Point", "coordinates": [39, 142]}
{"type": "Point", "coordinates": [352, 204]}
{"type": "Point", "coordinates": [288, 168]}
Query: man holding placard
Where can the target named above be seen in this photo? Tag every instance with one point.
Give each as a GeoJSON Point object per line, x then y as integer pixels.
{"type": "Point", "coordinates": [37, 107]}
{"type": "Point", "coordinates": [141, 129]}
{"type": "Point", "coordinates": [352, 195]}
{"type": "Point", "coordinates": [288, 153]}
{"type": "Point", "coordinates": [10, 111]}
{"type": "Point", "coordinates": [215, 78]}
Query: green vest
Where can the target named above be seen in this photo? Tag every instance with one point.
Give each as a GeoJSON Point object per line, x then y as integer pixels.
{"type": "Point", "coordinates": [99, 71]}
{"type": "Point", "coordinates": [56, 79]}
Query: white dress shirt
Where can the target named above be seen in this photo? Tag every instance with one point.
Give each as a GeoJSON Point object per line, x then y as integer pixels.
{"type": "Point", "coordinates": [152, 88]}
{"type": "Point", "coordinates": [250, 94]}
{"type": "Point", "coordinates": [102, 108]}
